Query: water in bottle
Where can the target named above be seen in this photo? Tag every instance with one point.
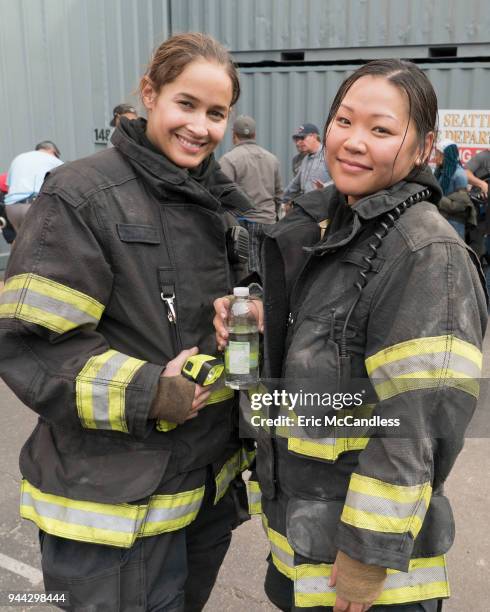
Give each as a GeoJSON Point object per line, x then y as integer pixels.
{"type": "Point", "coordinates": [242, 351]}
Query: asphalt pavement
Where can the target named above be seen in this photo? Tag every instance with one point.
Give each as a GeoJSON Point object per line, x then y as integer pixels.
{"type": "Point", "coordinates": [239, 586]}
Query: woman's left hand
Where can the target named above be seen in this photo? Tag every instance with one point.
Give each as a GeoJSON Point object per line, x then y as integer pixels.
{"type": "Point", "coordinates": [355, 580]}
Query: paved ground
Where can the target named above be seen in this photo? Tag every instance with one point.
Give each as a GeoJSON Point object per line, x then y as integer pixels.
{"type": "Point", "coordinates": [239, 587]}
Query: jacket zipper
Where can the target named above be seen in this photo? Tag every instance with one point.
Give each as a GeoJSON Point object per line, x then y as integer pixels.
{"type": "Point", "coordinates": [167, 295]}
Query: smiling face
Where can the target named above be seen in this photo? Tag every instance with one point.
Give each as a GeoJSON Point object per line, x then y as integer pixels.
{"type": "Point", "coordinates": [187, 118]}
{"type": "Point", "coordinates": [371, 142]}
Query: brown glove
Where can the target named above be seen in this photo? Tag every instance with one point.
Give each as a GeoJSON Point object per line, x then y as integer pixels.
{"type": "Point", "coordinates": [358, 582]}
{"type": "Point", "coordinates": [173, 400]}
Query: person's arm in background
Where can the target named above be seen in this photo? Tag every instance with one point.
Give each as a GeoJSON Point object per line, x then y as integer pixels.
{"type": "Point", "coordinates": [277, 188]}
{"type": "Point", "coordinates": [228, 168]}
{"type": "Point", "coordinates": [476, 182]}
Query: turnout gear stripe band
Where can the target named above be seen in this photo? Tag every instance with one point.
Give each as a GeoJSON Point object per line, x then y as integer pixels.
{"type": "Point", "coordinates": [39, 300]}
{"type": "Point", "coordinates": [425, 579]}
{"type": "Point", "coordinates": [111, 524]}
{"type": "Point", "coordinates": [234, 466]}
{"type": "Point", "coordinates": [380, 506]}
{"type": "Point", "coordinates": [100, 390]}
{"type": "Point", "coordinates": [423, 363]}
{"type": "Point", "coordinates": [254, 495]}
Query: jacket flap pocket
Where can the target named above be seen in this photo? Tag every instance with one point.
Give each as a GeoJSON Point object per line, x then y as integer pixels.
{"type": "Point", "coordinates": [437, 533]}
{"type": "Point", "coordinates": [311, 528]}
{"type": "Point", "coordinates": [138, 233]}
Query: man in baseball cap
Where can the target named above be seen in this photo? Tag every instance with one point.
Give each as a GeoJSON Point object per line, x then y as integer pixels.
{"type": "Point", "coordinates": [313, 172]}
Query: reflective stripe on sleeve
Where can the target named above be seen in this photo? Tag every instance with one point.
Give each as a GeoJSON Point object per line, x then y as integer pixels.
{"type": "Point", "coordinates": [101, 389]}
{"type": "Point", "coordinates": [42, 301]}
{"type": "Point", "coordinates": [426, 363]}
{"type": "Point", "coordinates": [112, 524]}
{"type": "Point", "coordinates": [425, 579]}
{"type": "Point", "coordinates": [380, 506]}
{"type": "Point", "coordinates": [254, 495]}
{"type": "Point", "coordinates": [237, 463]}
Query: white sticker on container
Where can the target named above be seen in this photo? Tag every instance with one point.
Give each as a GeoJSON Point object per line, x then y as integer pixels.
{"type": "Point", "coordinates": [239, 357]}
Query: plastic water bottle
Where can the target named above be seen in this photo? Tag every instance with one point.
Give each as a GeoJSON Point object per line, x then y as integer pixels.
{"type": "Point", "coordinates": [242, 351]}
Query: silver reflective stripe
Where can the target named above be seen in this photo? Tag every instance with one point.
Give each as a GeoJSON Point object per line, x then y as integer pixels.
{"type": "Point", "coordinates": [85, 518]}
{"type": "Point", "coordinates": [282, 555]}
{"type": "Point", "coordinates": [421, 575]}
{"type": "Point", "coordinates": [424, 363]}
{"type": "Point", "coordinates": [101, 387]}
{"type": "Point", "coordinates": [158, 515]}
{"type": "Point", "coordinates": [384, 506]}
{"type": "Point", "coordinates": [315, 584]}
{"type": "Point", "coordinates": [49, 305]}
{"type": "Point", "coordinates": [254, 497]}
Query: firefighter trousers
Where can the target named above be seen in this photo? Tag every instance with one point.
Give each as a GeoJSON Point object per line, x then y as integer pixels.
{"type": "Point", "coordinates": [171, 572]}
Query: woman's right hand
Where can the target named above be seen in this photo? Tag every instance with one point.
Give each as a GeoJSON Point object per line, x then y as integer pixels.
{"type": "Point", "coordinates": [222, 309]}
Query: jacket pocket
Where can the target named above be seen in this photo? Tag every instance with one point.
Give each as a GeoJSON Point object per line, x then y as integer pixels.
{"type": "Point", "coordinates": [147, 234]}
{"type": "Point", "coordinates": [311, 528]}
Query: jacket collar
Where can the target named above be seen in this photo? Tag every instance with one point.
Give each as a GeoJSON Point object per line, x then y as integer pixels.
{"type": "Point", "coordinates": [245, 142]}
{"type": "Point", "coordinates": [206, 184]}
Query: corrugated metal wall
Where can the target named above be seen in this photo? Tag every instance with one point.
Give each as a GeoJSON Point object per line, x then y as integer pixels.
{"type": "Point", "coordinates": [266, 25]}
{"type": "Point", "coordinates": [280, 99]}
{"type": "Point", "coordinates": [64, 64]}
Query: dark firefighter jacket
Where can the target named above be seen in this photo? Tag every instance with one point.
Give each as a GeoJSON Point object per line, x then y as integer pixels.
{"type": "Point", "coordinates": [114, 243]}
{"type": "Point", "coordinates": [412, 338]}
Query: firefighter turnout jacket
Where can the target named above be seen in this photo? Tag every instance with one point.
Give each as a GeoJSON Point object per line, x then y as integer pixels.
{"type": "Point", "coordinates": [391, 297]}
{"type": "Point", "coordinates": [113, 274]}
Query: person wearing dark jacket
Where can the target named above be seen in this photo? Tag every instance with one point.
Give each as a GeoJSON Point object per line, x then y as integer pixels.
{"type": "Point", "coordinates": [374, 331]}
{"type": "Point", "coordinates": [455, 204]}
{"type": "Point", "coordinates": [133, 473]}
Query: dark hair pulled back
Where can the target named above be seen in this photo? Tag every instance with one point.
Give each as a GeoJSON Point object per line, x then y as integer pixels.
{"type": "Point", "coordinates": [178, 51]}
{"type": "Point", "coordinates": [409, 78]}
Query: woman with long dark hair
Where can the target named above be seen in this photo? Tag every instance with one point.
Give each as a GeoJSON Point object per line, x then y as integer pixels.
{"type": "Point", "coordinates": [374, 331]}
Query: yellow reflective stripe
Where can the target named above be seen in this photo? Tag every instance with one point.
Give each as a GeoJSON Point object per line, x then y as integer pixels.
{"type": "Point", "coordinates": [172, 512]}
{"type": "Point", "coordinates": [254, 495]}
{"type": "Point", "coordinates": [163, 425]}
{"type": "Point", "coordinates": [234, 466]}
{"type": "Point", "coordinates": [42, 301]}
{"type": "Point", "coordinates": [327, 450]}
{"type": "Point", "coordinates": [281, 552]}
{"type": "Point", "coordinates": [425, 579]}
{"type": "Point", "coordinates": [220, 395]}
{"type": "Point", "coordinates": [380, 506]}
{"type": "Point", "coordinates": [101, 390]}
{"type": "Point", "coordinates": [111, 524]}
{"type": "Point", "coordinates": [426, 363]}
{"type": "Point", "coordinates": [397, 493]}
{"type": "Point", "coordinates": [424, 346]}
{"type": "Point", "coordinates": [398, 385]}
{"type": "Point", "coordinates": [311, 586]}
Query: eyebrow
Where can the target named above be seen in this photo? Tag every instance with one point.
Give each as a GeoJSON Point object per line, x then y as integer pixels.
{"type": "Point", "coordinates": [194, 99]}
{"type": "Point", "coordinates": [349, 108]}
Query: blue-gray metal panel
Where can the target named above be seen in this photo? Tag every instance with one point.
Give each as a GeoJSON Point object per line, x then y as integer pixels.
{"type": "Point", "coordinates": [281, 99]}
{"type": "Point", "coordinates": [64, 65]}
{"type": "Point", "coordinates": [264, 25]}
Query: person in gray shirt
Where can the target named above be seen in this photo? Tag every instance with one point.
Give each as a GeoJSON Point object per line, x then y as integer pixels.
{"type": "Point", "coordinates": [313, 172]}
{"type": "Point", "coordinates": [256, 171]}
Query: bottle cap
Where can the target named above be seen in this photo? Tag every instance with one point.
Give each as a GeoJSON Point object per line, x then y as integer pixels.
{"type": "Point", "coordinates": [240, 292]}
